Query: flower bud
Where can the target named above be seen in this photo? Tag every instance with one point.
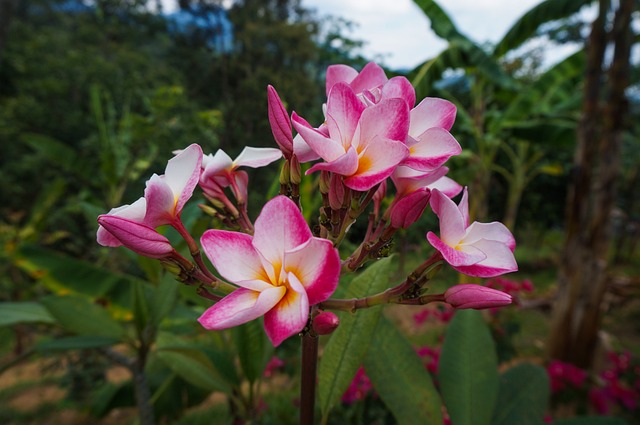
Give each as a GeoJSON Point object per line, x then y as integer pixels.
{"type": "Point", "coordinates": [325, 323]}
{"type": "Point", "coordinates": [296, 177]}
{"type": "Point", "coordinates": [280, 122]}
{"type": "Point", "coordinates": [138, 237]}
{"type": "Point", "coordinates": [408, 209]}
{"type": "Point", "coordinates": [336, 192]}
{"type": "Point", "coordinates": [476, 296]}
{"type": "Point", "coordinates": [325, 182]}
{"type": "Point", "coordinates": [285, 175]}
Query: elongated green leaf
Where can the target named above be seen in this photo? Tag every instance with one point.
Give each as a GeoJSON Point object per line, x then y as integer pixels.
{"type": "Point", "coordinates": [23, 312]}
{"type": "Point", "coordinates": [253, 348]}
{"type": "Point", "coordinates": [194, 367]}
{"type": "Point", "coordinates": [164, 299]}
{"type": "Point", "coordinates": [591, 420]}
{"type": "Point", "coordinates": [468, 370]}
{"type": "Point", "coordinates": [76, 343]}
{"type": "Point", "coordinates": [441, 23]}
{"type": "Point", "coordinates": [526, 27]}
{"type": "Point", "coordinates": [345, 351]}
{"type": "Point", "coordinates": [53, 151]}
{"type": "Point", "coordinates": [78, 315]}
{"type": "Point", "coordinates": [523, 396]}
{"type": "Point", "coordinates": [399, 376]}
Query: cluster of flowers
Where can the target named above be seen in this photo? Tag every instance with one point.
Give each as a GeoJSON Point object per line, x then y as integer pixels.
{"type": "Point", "coordinates": [618, 385]}
{"type": "Point", "coordinates": [439, 314]}
{"type": "Point", "coordinates": [276, 267]}
{"type": "Point", "coordinates": [563, 376]}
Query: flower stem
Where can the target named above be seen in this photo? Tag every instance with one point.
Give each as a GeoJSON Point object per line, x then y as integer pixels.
{"type": "Point", "coordinates": [308, 377]}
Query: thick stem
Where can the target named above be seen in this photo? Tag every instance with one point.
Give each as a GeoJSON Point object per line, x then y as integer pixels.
{"type": "Point", "coordinates": [308, 378]}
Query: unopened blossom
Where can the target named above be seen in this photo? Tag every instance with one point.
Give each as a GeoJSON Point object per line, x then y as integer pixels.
{"type": "Point", "coordinates": [136, 236]}
{"type": "Point", "coordinates": [167, 194]}
{"type": "Point", "coordinates": [479, 249]}
{"type": "Point", "coordinates": [364, 144]}
{"type": "Point", "coordinates": [220, 171]}
{"type": "Point", "coordinates": [476, 296]}
{"type": "Point", "coordinates": [281, 270]}
{"type": "Point", "coordinates": [325, 322]}
{"type": "Point", "coordinates": [134, 212]}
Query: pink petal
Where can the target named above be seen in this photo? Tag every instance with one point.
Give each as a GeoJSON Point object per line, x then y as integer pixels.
{"type": "Point", "coordinates": [500, 260]}
{"type": "Point", "coordinates": [408, 210]}
{"type": "Point", "coordinates": [182, 174]}
{"type": "Point", "coordinates": [136, 236]}
{"type": "Point", "coordinates": [135, 212]}
{"type": "Point", "coordinates": [455, 257]}
{"type": "Point", "coordinates": [279, 121]}
{"type": "Point", "coordinates": [343, 112]}
{"type": "Point", "coordinates": [476, 296]}
{"type": "Point", "coordinates": [463, 206]}
{"type": "Point", "coordinates": [450, 188]}
{"type": "Point", "coordinates": [376, 163]}
{"type": "Point", "coordinates": [241, 306]}
{"type": "Point", "coordinates": [452, 226]}
{"type": "Point", "coordinates": [316, 264]}
{"type": "Point", "coordinates": [280, 227]}
{"type": "Point", "coordinates": [432, 150]}
{"type": "Point", "coordinates": [233, 255]}
{"type": "Point", "coordinates": [161, 202]}
{"type": "Point", "coordinates": [388, 119]}
{"type": "Point", "coordinates": [432, 112]}
{"type": "Point", "coordinates": [257, 157]}
{"type": "Point", "coordinates": [303, 152]}
{"type": "Point", "coordinates": [339, 74]}
{"type": "Point", "coordinates": [290, 315]}
{"type": "Point", "coordinates": [325, 147]}
{"type": "Point", "coordinates": [345, 165]}
{"type": "Point", "coordinates": [371, 76]}
{"type": "Point", "coordinates": [399, 87]}
{"type": "Point", "coordinates": [495, 231]}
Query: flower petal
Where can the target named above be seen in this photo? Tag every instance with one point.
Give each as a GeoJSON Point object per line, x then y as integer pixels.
{"type": "Point", "coordinates": [316, 264]}
{"type": "Point", "coordinates": [500, 260]}
{"type": "Point", "coordinates": [279, 122]}
{"type": "Point", "coordinates": [136, 236]}
{"type": "Point", "coordinates": [450, 188]}
{"type": "Point", "coordinates": [322, 145]}
{"type": "Point", "coordinates": [233, 255]}
{"type": "Point", "coordinates": [343, 113]}
{"type": "Point", "coordinates": [302, 150]}
{"type": "Point", "coordinates": [432, 150]}
{"type": "Point", "coordinates": [376, 163]}
{"type": "Point", "coordinates": [371, 76]}
{"type": "Point", "coordinates": [161, 202]}
{"type": "Point", "coordinates": [290, 315]}
{"type": "Point", "coordinates": [452, 225]}
{"type": "Point", "coordinates": [388, 119]}
{"type": "Point", "coordinates": [455, 257]}
{"type": "Point", "coordinates": [182, 174]}
{"type": "Point", "coordinates": [399, 87]}
{"type": "Point", "coordinates": [135, 212]}
{"type": "Point", "coordinates": [408, 209]}
{"type": "Point", "coordinates": [339, 74]}
{"type": "Point", "coordinates": [280, 227]}
{"type": "Point", "coordinates": [240, 306]}
{"type": "Point", "coordinates": [257, 157]}
{"type": "Point", "coordinates": [495, 231]}
{"type": "Point", "coordinates": [345, 165]}
{"type": "Point", "coordinates": [432, 112]}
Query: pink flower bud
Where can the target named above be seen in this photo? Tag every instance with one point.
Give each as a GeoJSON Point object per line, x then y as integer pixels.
{"type": "Point", "coordinates": [336, 192]}
{"type": "Point", "coordinates": [325, 323]}
{"type": "Point", "coordinates": [408, 209]}
{"type": "Point", "coordinates": [476, 296]}
{"type": "Point", "coordinates": [280, 123]}
{"type": "Point", "coordinates": [138, 237]}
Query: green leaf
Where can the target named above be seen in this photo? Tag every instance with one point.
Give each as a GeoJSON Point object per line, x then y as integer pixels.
{"type": "Point", "coordinates": [523, 396]}
{"type": "Point", "coordinates": [441, 23]}
{"type": "Point", "coordinates": [164, 299]}
{"type": "Point", "coordinates": [347, 346]}
{"type": "Point", "coordinates": [140, 307]}
{"type": "Point", "coordinates": [252, 348]}
{"type": "Point", "coordinates": [194, 367]}
{"type": "Point", "coordinates": [468, 370]}
{"type": "Point", "coordinates": [76, 343]}
{"type": "Point", "coordinates": [80, 316]}
{"type": "Point", "coordinates": [591, 420]}
{"type": "Point", "coordinates": [400, 378]}
{"type": "Point", "coordinates": [23, 312]}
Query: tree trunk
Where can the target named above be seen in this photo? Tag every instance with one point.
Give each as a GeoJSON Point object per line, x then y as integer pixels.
{"type": "Point", "coordinates": [582, 280]}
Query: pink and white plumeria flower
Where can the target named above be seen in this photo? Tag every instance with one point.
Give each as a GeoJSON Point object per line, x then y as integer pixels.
{"type": "Point", "coordinates": [281, 271]}
{"type": "Point", "coordinates": [167, 194]}
{"type": "Point", "coordinates": [479, 249]}
{"type": "Point", "coordinates": [364, 144]}
{"type": "Point", "coordinates": [134, 212]}
{"type": "Point", "coordinates": [220, 171]}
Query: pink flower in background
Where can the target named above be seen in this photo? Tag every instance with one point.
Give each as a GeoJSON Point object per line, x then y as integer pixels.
{"type": "Point", "coordinates": [364, 144]}
{"type": "Point", "coordinates": [281, 271]}
{"type": "Point", "coordinates": [166, 194]}
{"type": "Point", "coordinates": [220, 171]}
{"type": "Point", "coordinates": [479, 249]}
{"type": "Point", "coordinates": [359, 388]}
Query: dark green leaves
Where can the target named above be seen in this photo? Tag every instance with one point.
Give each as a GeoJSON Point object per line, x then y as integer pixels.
{"type": "Point", "coordinates": [523, 396]}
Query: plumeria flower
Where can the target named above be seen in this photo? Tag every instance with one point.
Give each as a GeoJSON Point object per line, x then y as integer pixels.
{"type": "Point", "coordinates": [364, 144]}
{"type": "Point", "coordinates": [479, 249]}
{"type": "Point", "coordinates": [220, 171]}
{"type": "Point", "coordinates": [138, 237]}
{"type": "Point", "coordinates": [167, 194]}
{"type": "Point", "coordinates": [281, 271]}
